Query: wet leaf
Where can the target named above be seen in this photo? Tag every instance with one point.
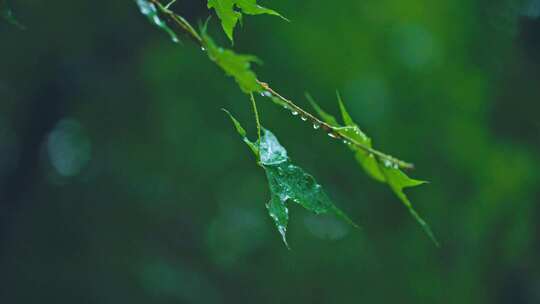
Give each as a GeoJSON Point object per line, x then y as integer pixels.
{"type": "Point", "coordinates": [230, 12]}
{"type": "Point", "coordinates": [288, 183]}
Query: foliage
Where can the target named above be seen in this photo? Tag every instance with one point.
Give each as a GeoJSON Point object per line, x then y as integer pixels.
{"type": "Point", "coordinates": [235, 65]}
{"type": "Point", "coordinates": [287, 181]}
{"type": "Point", "coordinates": [230, 12]}
{"type": "Point", "coordinates": [170, 207]}
{"type": "Point", "coordinates": [386, 172]}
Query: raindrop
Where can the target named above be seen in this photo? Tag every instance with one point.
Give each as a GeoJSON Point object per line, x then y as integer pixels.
{"type": "Point", "coordinates": [266, 94]}
{"type": "Point", "coordinates": [303, 118]}
{"type": "Point", "coordinates": [294, 112]}
{"type": "Point", "coordinates": [346, 142]}
{"type": "Point", "coordinates": [316, 126]}
{"type": "Point", "coordinates": [203, 49]}
{"type": "Point", "coordinates": [332, 135]}
{"type": "Point", "coordinates": [388, 163]}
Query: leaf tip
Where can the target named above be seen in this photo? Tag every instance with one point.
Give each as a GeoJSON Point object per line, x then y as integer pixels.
{"type": "Point", "coordinates": [425, 226]}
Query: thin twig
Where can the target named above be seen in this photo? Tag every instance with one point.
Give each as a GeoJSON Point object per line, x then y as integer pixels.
{"type": "Point", "coordinates": [256, 113]}
{"type": "Point", "coordinates": [333, 131]}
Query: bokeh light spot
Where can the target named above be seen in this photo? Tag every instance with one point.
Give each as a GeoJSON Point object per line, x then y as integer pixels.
{"type": "Point", "coordinates": [69, 148]}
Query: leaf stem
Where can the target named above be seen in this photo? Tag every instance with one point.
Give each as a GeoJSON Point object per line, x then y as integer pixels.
{"type": "Point", "coordinates": [331, 130]}
{"type": "Point", "coordinates": [256, 113]}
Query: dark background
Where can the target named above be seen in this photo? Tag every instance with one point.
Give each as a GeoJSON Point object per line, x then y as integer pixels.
{"type": "Point", "coordinates": [121, 181]}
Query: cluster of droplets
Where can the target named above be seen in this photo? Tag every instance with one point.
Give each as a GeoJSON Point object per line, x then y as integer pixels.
{"type": "Point", "coordinates": [316, 125]}
{"type": "Point", "coordinates": [390, 164]}
{"type": "Point", "coordinates": [360, 133]}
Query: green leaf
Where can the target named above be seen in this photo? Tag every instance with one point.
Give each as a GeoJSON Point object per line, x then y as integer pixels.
{"type": "Point", "coordinates": [382, 171]}
{"type": "Point", "coordinates": [288, 182]}
{"type": "Point", "coordinates": [347, 119]}
{"type": "Point", "coordinates": [324, 115]}
{"type": "Point", "coordinates": [278, 211]}
{"type": "Point", "coordinates": [235, 65]}
{"type": "Point", "coordinates": [242, 132]}
{"type": "Point", "coordinates": [230, 12]}
{"type": "Point", "coordinates": [148, 9]}
{"type": "Point", "coordinates": [399, 181]}
{"type": "Point", "coordinates": [7, 14]}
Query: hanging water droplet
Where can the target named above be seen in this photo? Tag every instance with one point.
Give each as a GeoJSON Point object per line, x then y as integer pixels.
{"type": "Point", "coordinates": [203, 49]}
{"type": "Point", "coordinates": [303, 118]}
{"type": "Point", "coordinates": [266, 94]}
{"type": "Point", "coordinates": [388, 163]}
{"type": "Point", "coordinates": [346, 142]}
{"type": "Point", "coordinates": [316, 125]}
{"type": "Point", "coordinates": [293, 112]}
{"type": "Point", "coordinates": [332, 135]}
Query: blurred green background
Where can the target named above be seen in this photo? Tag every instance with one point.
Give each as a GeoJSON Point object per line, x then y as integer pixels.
{"type": "Point", "coordinates": [121, 181]}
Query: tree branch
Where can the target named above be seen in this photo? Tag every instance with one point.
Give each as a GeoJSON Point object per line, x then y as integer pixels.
{"type": "Point", "coordinates": [332, 131]}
